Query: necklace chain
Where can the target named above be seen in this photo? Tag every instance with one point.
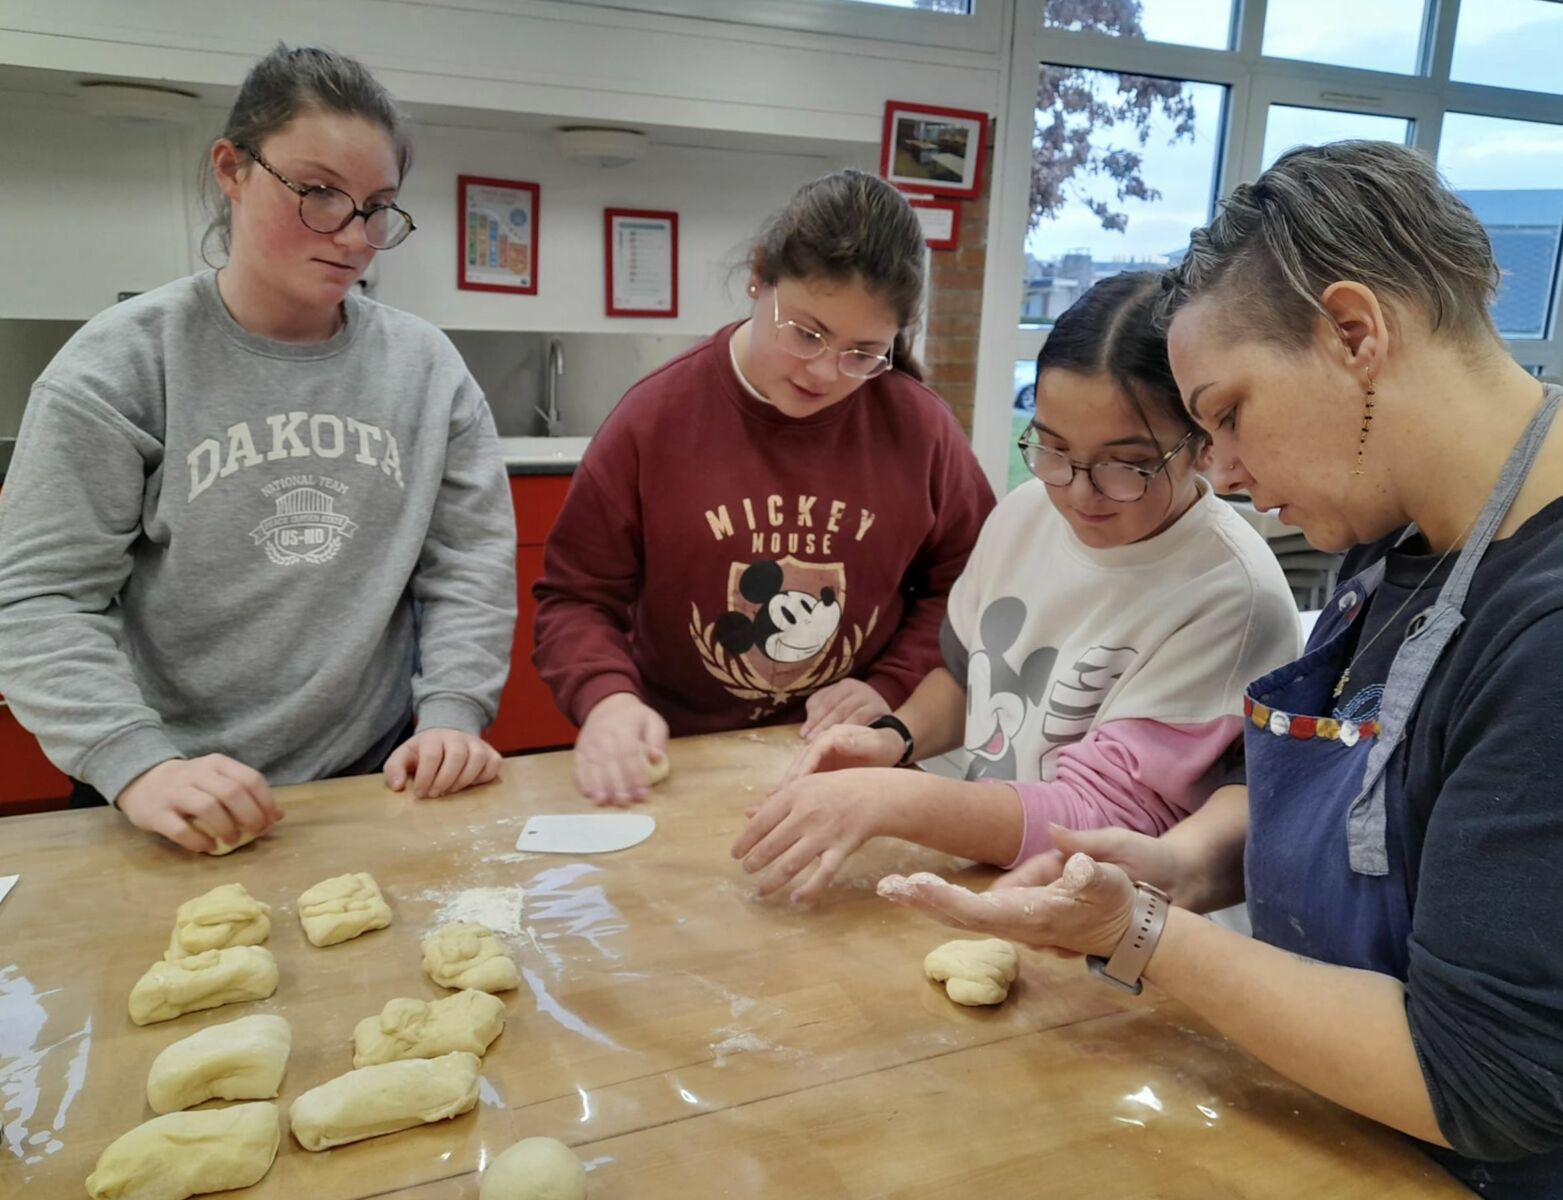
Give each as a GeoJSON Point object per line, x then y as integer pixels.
{"type": "Point", "coordinates": [1345, 678]}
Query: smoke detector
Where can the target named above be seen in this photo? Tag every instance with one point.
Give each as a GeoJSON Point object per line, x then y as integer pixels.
{"type": "Point", "coordinates": [600, 145]}
{"type": "Point", "coordinates": [140, 103]}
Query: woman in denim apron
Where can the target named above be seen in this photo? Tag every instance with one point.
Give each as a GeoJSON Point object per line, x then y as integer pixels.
{"type": "Point", "coordinates": [1399, 840]}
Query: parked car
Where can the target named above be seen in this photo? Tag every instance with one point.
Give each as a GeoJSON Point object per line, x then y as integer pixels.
{"type": "Point", "coordinates": [1025, 388]}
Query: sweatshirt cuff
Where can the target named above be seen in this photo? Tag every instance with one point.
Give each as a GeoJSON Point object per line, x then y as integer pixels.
{"type": "Point", "coordinates": [113, 764]}
{"type": "Point", "coordinates": [453, 712]}
{"type": "Point", "coordinates": [597, 689]}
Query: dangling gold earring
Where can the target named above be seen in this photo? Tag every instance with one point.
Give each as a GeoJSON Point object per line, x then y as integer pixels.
{"type": "Point", "coordinates": [1367, 424]}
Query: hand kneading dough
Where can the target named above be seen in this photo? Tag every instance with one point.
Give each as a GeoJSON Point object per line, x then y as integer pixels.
{"type": "Point", "coordinates": [225, 916]}
{"type": "Point", "coordinates": [469, 956]}
{"type": "Point", "coordinates": [335, 910]}
{"type": "Point", "coordinates": [171, 989]}
{"type": "Point", "coordinates": [537, 1168]}
{"type": "Point", "coordinates": [974, 972]}
{"type": "Point", "coordinates": [660, 769]}
{"type": "Point", "coordinates": [242, 1060]}
{"type": "Point", "coordinates": [469, 1021]}
{"type": "Point", "coordinates": [187, 1153]}
{"type": "Point", "coordinates": [384, 1098]}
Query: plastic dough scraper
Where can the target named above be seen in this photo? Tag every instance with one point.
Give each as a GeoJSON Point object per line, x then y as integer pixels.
{"type": "Point", "coordinates": [584, 833]}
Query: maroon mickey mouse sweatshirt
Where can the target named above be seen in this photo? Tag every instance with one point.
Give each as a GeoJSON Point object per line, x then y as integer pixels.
{"type": "Point", "coordinates": [723, 561]}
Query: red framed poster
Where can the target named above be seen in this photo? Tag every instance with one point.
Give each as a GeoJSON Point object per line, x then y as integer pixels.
{"type": "Point", "coordinates": [941, 222]}
{"type": "Point", "coordinates": [496, 235]}
{"type": "Point", "coordinates": [936, 151]}
{"type": "Point", "coordinates": [640, 254]}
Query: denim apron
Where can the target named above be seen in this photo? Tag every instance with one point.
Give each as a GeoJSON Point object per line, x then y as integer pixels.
{"type": "Point", "coordinates": [1326, 859]}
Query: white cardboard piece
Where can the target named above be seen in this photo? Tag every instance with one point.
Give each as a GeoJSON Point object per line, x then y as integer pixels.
{"type": "Point", "coordinates": [7, 882]}
{"type": "Point", "coordinates": [584, 833]}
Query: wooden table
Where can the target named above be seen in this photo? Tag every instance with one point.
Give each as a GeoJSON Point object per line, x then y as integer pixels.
{"type": "Point", "coordinates": [685, 1039]}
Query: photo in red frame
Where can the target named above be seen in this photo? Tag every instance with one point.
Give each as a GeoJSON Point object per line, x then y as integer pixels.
{"type": "Point", "coordinates": [496, 235]}
{"type": "Point", "coordinates": [941, 222]}
{"type": "Point", "coordinates": [640, 257]}
{"type": "Point", "coordinates": [933, 151]}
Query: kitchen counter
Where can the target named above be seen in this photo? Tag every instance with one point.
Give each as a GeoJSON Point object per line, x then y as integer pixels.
{"type": "Point", "coordinates": [541, 455]}
{"type": "Point", "coordinates": [685, 1039]}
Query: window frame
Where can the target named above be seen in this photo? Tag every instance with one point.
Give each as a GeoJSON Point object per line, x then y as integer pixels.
{"type": "Point", "coordinates": [1253, 81]}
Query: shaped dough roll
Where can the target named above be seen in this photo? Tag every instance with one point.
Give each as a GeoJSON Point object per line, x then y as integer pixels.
{"type": "Point", "coordinates": [337, 909]}
{"type": "Point", "coordinates": [974, 972]}
{"type": "Point", "coordinates": [225, 916]}
{"type": "Point", "coordinates": [171, 989]}
{"type": "Point", "coordinates": [383, 1099]}
{"type": "Point", "coordinates": [241, 1060]}
{"type": "Point", "coordinates": [469, 956]}
{"type": "Point", "coordinates": [187, 1153]}
{"type": "Point", "coordinates": [469, 1021]}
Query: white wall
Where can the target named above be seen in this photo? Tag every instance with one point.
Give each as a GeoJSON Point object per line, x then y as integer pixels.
{"type": "Point", "coordinates": [90, 208]}
{"type": "Point", "coordinates": [87, 210]}
{"type": "Point", "coordinates": [722, 197]}
{"type": "Point", "coordinates": [540, 56]}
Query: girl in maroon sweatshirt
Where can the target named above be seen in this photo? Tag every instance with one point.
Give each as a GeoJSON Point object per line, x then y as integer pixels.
{"type": "Point", "coordinates": [765, 529]}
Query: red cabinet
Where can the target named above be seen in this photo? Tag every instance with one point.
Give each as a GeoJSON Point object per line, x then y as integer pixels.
{"type": "Point", "coordinates": [528, 718]}
{"type": "Point", "coordinates": [28, 780]}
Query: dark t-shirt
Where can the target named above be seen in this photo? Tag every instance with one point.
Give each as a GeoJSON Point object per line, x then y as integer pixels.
{"type": "Point", "coordinates": [1477, 778]}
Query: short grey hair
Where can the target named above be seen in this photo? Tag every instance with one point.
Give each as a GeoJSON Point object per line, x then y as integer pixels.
{"type": "Point", "coordinates": [1376, 213]}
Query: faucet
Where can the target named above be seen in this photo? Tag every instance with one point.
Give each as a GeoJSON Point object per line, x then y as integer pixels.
{"type": "Point", "coordinates": [553, 423]}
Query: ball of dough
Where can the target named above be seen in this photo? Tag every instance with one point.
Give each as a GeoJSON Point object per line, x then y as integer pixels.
{"type": "Point", "coordinates": [225, 916]}
{"type": "Point", "coordinates": [408, 1028]}
{"type": "Point", "coordinates": [659, 768]}
{"type": "Point", "coordinates": [465, 955]}
{"type": "Point", "coordinates": [222, 847]}
{"type": "Point", "coordinates": [337, 909]}
{"type": "Point", "coordinates": [242, 1060]}
{"type": "Point", "coordinates": [187, 1153]}
{"type": "Point", "coordinates": [974, 972]}
{"type": "Point", "coordinates": [207, 980]}
{"type": "Point", "coordinates": [385, 1098]}
{"type": "Point", "coordinates": [536, 1168]}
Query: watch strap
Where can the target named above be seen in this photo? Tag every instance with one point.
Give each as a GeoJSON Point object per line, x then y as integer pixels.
{"type": "Point", "coordinates": [1133, 954]}
{"type": "Point", "coordinates": [890, 721]}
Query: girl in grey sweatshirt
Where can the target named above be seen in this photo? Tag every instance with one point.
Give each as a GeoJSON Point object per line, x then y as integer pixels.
{"type": "Point", "coordinates": [256, 523]}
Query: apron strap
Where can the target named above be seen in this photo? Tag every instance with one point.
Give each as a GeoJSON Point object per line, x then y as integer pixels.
{"type": "Point", "coordinates": [1420, 652]}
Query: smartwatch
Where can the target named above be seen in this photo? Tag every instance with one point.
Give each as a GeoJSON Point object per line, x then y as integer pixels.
{"type": "Point", "coordinates": [1129, 960]}
{"type": "Point", "coordinates": [892, 722]}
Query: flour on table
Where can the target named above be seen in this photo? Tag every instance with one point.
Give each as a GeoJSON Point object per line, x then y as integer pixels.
{"type": "Point", "coordinates": [496, 908]}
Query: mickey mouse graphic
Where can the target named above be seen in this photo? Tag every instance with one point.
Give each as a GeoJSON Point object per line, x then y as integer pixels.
{"type": "Point", "coordinates": [997, 696]}
{"type": "Point", "coordinates": [790, 627]}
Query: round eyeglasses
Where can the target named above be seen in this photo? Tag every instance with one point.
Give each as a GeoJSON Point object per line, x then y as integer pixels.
{"type": "Point", "coordinates": [1119, 482]}
{"type": "Point", "coordinates": [331, 210]}
{"type": "Point", "coordinates": [802, 342]}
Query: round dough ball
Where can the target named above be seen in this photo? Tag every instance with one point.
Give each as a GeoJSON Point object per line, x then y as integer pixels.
{"type": "Point", "coordinates": [660, 768]}
{"type": "Point", "coordinates": [537, 1168]}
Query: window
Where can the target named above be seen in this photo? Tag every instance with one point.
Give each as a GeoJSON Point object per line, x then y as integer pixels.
{"type": "Point", "coordinates": [1288, 125]}
{"type": "Point", "coordinates": [1123, 167]}
{"type": "Point", "coordinates": [958, 7]}
{"type": "Point", "coordinates": [1205, 23]}
{"type": "Point", "coordinates": [1511, 174]}
{"type": "Point", "coordinates": [1377, 35]}
{"type": "Point", "coordinates": [1510, 43]}
{"type": "Point", "coordinates": [1025, 407]}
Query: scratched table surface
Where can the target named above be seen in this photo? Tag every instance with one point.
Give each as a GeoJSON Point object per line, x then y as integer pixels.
{"type": "Point", "coordinates": [684, 1038]}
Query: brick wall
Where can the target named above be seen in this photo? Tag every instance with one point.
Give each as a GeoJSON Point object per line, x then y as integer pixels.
{"type": "Point", "coordinates": [954, 305]}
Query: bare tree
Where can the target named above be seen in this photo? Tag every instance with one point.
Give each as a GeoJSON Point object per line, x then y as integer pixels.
{"type": "Point", "coordinates": [1079, 110]}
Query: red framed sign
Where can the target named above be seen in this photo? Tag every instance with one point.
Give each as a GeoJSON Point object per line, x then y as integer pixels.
{"type": "Point", "coordinates": [640, 254]}
{"type": "Point", "coordinates": [935, 151]}
{"type": "Point", "coordinates": [941, 222]}
{"type": "Point", "coordinates": [496, 235]}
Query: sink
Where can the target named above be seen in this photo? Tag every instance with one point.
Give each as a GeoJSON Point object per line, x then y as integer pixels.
{"type": "Point", "coordinates": [543, 449]}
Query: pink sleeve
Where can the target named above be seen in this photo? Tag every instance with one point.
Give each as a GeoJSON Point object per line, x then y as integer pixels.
{"type": "Point", "coordinates": [1140, 775]}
